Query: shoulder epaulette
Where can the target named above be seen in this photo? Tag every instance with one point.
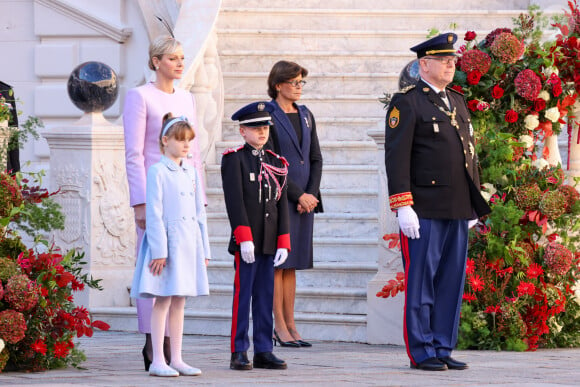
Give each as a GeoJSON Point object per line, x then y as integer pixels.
{"type": "Point", "coordinates": [406, 89]}
{"type": "Point", "coordinates": [282, 158]}
{"type": "Point", "coordinates": [232, 150]}
{"type": "Point", "coordinates": [453, 90]}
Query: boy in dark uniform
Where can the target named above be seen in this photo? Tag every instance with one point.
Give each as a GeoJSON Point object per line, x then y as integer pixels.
{"type": "Point", "coordinates": [434, 187]}
{"type": "Point", "coordinates": [254, 184]}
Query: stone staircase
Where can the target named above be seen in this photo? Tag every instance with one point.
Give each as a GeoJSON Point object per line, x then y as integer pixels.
{"type": "Point", "coordinates": [354, 51]}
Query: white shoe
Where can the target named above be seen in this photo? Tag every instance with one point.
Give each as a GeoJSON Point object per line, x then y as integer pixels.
{"type": "Point", "coordinates": [186, 370]}
{"type": "Point", "coordinates": [162, 371]}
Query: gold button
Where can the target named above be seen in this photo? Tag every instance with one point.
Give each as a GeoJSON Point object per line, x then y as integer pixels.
{"type": "Point", "coordinates": [466, 165]}
{"type": "Point", "coordinates": [433, 118]}
{"type": "Point", "coordinates": [464, 152]}
{"type": "Point", "coordinates": [432, 181]}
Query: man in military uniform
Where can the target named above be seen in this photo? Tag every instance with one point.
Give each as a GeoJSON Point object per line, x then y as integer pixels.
{"type": "Point", "coordinates": [433, 185]}
{"type": "Point", "coordinates": [254, 184]}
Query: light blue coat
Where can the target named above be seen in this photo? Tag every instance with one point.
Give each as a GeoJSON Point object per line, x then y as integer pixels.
{"type": "Point", "coordinates": [176, 230]}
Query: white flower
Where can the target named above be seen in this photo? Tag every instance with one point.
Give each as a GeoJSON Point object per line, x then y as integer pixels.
{"type": "Point", "coordinates": [1, 345]}
{"type": "Point", "coordinates": [488, 191]}
{"type": "Point", "coordinates": [576, 289]}
{"type": "Point", "coordinates": [550, 70]}
{"type": "Point", "coordinates": [553, 114]}
{"type": "Point", "coordinates": [554, 323]}
{"type": "Point", "coordinates": [527, 140]}
{"type": "Point", "coordinates": [541, 163]}
{"type": "Point", "coordinates": [544, 95]}
{"type": "Point", "coordinates": [531, 122]}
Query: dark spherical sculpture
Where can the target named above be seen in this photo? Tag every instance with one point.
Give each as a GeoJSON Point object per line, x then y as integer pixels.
{"type": "Point", "coordinates": [93, 87]}
{"type": "Point", "coordinates": [409, 75]}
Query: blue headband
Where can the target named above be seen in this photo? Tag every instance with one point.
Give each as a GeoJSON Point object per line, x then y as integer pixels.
{"type": "Point", "coordinates": [171, 122]}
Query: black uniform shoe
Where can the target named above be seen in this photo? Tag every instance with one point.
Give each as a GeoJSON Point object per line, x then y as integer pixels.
{"type": "Point", "coordinates": [268, 360]}
{"type": "Point", "coordinates": [431, 364]}
{"type": "Point", "coordinates": [453, 364]}
{"type": "Point", "coordinates": [240, 361]}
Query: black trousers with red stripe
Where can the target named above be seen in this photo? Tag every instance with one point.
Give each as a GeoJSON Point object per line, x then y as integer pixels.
{"type": "Point", "coordinates": [434, 276]}
{"type": "Point", "coordinates": [253, 285]}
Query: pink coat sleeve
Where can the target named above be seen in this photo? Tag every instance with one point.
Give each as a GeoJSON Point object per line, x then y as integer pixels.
{"type": "Point", "coordinates": [134, 125]}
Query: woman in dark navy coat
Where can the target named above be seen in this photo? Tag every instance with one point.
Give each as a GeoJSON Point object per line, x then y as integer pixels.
{"type": "Point", "coordinates": [294, 137]}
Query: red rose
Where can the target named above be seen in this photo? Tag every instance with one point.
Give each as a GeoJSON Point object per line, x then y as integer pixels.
{"type": "Point", "coordinates": [556, 90]}
{"type": "Point", "coordinates": [511, 116]}
{"type": "Point", "coordinates": [469, 36]}
{"type": "Point", "coordinates": [472, 105]}
{"type": "Point", "coordinates": [473, 77]}
{"type": "Point", "coordinates": [457, 88]}
{"type": "Point", "coordinates": [497, 92]}
{"type": "Point", "coordinates": [539, 104]}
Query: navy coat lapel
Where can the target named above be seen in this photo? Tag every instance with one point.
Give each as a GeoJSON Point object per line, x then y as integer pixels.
{"type": "Point", "coordinates": [287, 127]}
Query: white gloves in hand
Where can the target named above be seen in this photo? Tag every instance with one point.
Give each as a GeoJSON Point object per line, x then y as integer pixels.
{"type": "Point", "coordinates": [471, 223]}
{"type": "Point", "coordinates": [408, 222]}
{"type": "Point", "coordinates": [247, 251]}
{"type": "Point", "coordinates": [280, 257]}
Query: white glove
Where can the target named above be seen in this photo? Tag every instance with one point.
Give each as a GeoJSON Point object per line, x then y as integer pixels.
{"type": "Point", "coordinates": [472, 222]}
{"type": "Point", "coordinates": [247, 251]}
{"type": "Point", "coordinates": [408, 222]}
{"type": "Point", "coordinates": [280, 257]}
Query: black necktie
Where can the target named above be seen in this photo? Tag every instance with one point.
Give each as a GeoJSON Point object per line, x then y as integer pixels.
{"type": "Point", "coordinates": [443, 96]}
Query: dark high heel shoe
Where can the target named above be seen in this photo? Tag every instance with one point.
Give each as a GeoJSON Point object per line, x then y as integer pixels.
{"type": "Point", "coordinates": [146, 359]}
{"type": "Point", "coordinates": [292, 344]}
{"type": "Point", "coordinates": [304, 343]}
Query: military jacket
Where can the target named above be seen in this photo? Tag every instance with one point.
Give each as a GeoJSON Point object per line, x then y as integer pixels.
{"type": "Point", "coordinates": [430, 155]}
{"type": "Point", "coordinates": [255, 192]}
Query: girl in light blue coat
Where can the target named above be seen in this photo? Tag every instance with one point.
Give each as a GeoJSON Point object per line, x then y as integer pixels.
{"type": "Point", "coordinates": [175, 249]}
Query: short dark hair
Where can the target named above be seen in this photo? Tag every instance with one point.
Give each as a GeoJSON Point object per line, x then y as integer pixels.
{"type": "Point", "coordinates": [283, 71]}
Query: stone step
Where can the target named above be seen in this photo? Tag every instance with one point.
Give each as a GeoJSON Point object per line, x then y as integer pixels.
{"type": "Point", "coordinates": [339, 105]}
{"type": "Point", "coordinates": [313, 326]}
{"type": "Point", "coordinates": [307, 40]}
{"type": "Point", "coordinates": [364, 19]}
{"type": "Point", "coordinates": [328, 249]}
{"type": "Point", "coordinates": [374, 4]}
{"type": "Point", "coordinates": [308, 300]}
{"type": "Point", "coordinates": [261, 59]}
{"type": "Point", "coordinates": [327, 128]}
{"type": "Point", "coordinates": [325, 224]}
{"type": "Point", "coordinates": [333, 152]}
{"type": "Point", "coordinates": [318, 83]}
{"type": "Point", "coordinates": [323, 274]}
{"type": "Point", "coordinates": [333, 176]}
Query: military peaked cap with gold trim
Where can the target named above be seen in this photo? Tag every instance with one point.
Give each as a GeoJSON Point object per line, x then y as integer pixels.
{"type": "Point", "coordinates": [440, 45]}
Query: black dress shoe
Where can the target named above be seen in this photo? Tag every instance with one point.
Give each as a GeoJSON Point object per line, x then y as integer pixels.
{"type": "Point", "coordinates": [431, 364]}
{"type": "Point", "coordinates": [453, 364]}
{"type": "Point", "coordinates": [240, 361]}
{"type": "Point", "coordinates": [269, 361]}
{"type": "Point", "coordinates": [304, 343]}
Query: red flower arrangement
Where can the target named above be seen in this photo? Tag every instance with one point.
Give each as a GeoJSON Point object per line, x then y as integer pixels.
{"type": "Point", "coordinates": [558, 258]}
{"type": "Point", "coordinates": [38, 317]}
{"type": "Point", "coordinates": [506, 47]}
{"type": "Point", "coordinates": [528, 84]}
{"type": "Point", "coordinates": [475, 60]}
{"type": "Point", "coordinates": [567, 48]}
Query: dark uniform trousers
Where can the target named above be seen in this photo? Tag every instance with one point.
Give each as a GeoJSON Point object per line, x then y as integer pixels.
{"type": "Point", "coordinates": [256, 202]}
{"type": "Point", "coordinates": [434, 273]}
{"type": "Point", "coordinates": [253, 285]}
{"type": "Point", "coordinates": [431, 165]}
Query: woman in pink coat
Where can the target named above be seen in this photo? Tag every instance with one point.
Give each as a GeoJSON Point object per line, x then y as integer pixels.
{"type": "Point", "coordinates": [142, 117]}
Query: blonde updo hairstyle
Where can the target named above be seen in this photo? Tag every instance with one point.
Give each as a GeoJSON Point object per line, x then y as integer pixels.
{"type": "Point", "coordinates": [180, 130]}
{"type": "Point", "coordinates": [160, 46]}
